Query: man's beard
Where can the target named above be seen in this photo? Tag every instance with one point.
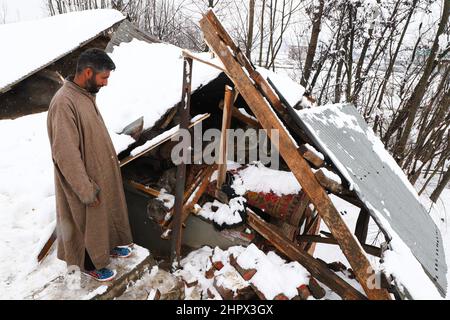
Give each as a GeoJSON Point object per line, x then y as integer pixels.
{"type": "Point", "coordinates": [91, 85]}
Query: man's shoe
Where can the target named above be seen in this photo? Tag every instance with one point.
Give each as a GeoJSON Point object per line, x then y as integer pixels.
{"type": "Point", "coordinates": [102, 275]}
{"type": "Point", "coordinates": [120, 252]}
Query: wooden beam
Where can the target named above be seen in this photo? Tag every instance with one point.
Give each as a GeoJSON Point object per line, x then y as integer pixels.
{"type": "Point", "coordinates": [192, 201]}
{"type": "Point", "coordinates": [184, 111]}
{"type": "Point", "coordinates": [314, 267]}
{"type": "Point", "coordinates": [235, 113]}
{"type": "Point", "coordinates": [329, 184]}
{"type": "Point", "coordinates": [298, 165]}
{"type": "Point", "coordinates": [46, 249]}
{"type": "Point", "coordinates": [159, 140]}
{"type": "Point", "coordinates": [193, 56]}
{"type": "Point", "coordinates": [316, 161]}
{"type": "Point", "coordinates": [372, 250]}
{"type": "Point", "coordinates": [362, 225]}
{"type": "Point", "coordinates": [144, 188]}
{"type": "Point", "coordinates": [226, 121]}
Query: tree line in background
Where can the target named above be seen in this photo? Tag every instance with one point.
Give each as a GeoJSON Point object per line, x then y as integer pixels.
{"type": "Point", "coordinates": [373, 53]}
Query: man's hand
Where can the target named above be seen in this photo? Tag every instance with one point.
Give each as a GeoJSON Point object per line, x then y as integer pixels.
{"type": "Point", "coordinates": [95, 204]}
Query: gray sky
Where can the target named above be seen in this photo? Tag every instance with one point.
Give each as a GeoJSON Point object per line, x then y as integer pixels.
{"type": "Point", "coordinates": [22, 10]}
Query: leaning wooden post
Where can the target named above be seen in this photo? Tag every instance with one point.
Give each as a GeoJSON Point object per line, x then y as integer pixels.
{"type": "Point", "coordinates": [226, 120]}
{"type": "Point", "coordinates": [184, 112]}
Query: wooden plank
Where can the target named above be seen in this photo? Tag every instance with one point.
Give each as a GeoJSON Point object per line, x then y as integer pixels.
{"type": "Point", "coordinates": [190, 203]}
{"type": "Point", "coordinates": [312, 158]}
{"type": "Point", "coordinates": [184, 110]}
{"type": "Point", "coordinates": [298, 165]}
{"type": "Point", "coordinates": [191, 187]}
{"type": "Point", "coordinates": [46, 249]}
{"type": "Point", "coordinates": [314, 267]}
{"type": "Point", "coordinates": [372, 250]}
{"type": "Point", "coordinates": [330, 185]}
{"type": "Point", "coordinates": [226, 121]}
{"type": "Point", "coordinates": [235, 113]}
{"type": "Point", "coordinates": [362, 226]}
{"type": "Point", "coordinates": [144, 188]}
{"type": "Point", "coordinates": [193, 56]}
{"type": "Point", "coordinates": [160, 141]}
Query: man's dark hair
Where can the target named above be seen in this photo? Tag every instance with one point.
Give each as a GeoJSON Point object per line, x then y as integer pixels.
{"type": "Point", "coordinates": [96, 59]}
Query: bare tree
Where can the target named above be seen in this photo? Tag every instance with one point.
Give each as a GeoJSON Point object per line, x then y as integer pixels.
{"type": "Point", "coordinates": [417, 94]}
{"type": "Point", "coordinates": [3, 12]}
{"type": "Point", "coordinates": [316, 24]}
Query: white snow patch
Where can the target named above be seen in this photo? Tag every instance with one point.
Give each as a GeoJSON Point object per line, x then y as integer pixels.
{"type": "Point", "coordinates": [273, 276]}
{"type": "Point", "coordinates": [258, 178]}
{"type": "Point", "coordinates": [147, 82]}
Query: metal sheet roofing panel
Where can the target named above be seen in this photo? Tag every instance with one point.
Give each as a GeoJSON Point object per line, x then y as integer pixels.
{"type": "Point", "coordinates": [30, 46]}
{"type": "Point", "coordinates": [343, 135]}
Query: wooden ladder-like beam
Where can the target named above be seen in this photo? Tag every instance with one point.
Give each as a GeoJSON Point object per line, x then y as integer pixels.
{"type": "Point", "coordinates": [214, 35]}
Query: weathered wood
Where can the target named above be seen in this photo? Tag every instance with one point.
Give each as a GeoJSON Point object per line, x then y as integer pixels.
{"type": "Point", "coordinates": [312, 158]}
{"type": "Point", "coordinates": [160, 142]}
{"type": "Point", "coordinates": [298, 165]}
{"type": "Point", "coordinates": [314, 267]}
{"type": "Point", "coordinates": [362, 226]}
{"type": "Point", "coordinates": [46, 249]}
{"type": "Point", "coordinates": [169, 118]}
{"type": "Point", "coordinates": [191, 187]}
{"type": "Point", "coordinates": [261, 83]}
{"type": "Point", "coordinates": [146, 189]}
{"type": "Point", "coordinates": [310, 247]}
{"type": "Point", "coordinates": [297, 217]}
{"type": "Point", "coordinates": [193, 56]}
{"type": "Point", "coordinates": [235, 113]}
{"type": "Point", "coordinates": [193, 199]}
{"type": "Point", "coordinates": [286, 229]}
{"type": "Point", "coordinates": [184, 111]}
{"type": "Point", "coordinates": [316, 290]}
{"type": "Point", "coordinates": [226, 121]}
{"type": "Point", "coordinates": [329, 184]}
{"type": "Point", "coordinates": [372, 250]}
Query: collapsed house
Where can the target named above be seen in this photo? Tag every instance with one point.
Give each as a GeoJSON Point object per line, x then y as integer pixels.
{"type": "Point", "coordinates": [175, 208]}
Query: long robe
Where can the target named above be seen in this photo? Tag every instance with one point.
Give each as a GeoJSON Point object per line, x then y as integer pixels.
{"type": "Point", "coordinates": [86, 167]}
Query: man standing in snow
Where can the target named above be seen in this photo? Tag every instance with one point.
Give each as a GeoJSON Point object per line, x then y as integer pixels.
{"type": "Point", "coordinates": [92, 217]}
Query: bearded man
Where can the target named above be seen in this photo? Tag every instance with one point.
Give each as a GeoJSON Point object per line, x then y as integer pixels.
{"type": "Point", "coordinates": [92, 216]}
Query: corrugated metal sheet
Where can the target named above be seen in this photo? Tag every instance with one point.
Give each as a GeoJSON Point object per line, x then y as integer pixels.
{"type": "Point", "coordinates": [126, 32]}
{"type": "Point", "coordinates": [343, 135]}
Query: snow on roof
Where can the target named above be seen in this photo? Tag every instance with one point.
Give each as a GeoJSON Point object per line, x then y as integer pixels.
{"type": "Point", "coordinates": [30, 46]}
{"type": "Point", "coordinates": [147, 82]}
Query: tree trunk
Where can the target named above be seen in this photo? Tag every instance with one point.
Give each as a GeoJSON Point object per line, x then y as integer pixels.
{"type": "Point", "coordinates": [441, 186]}
{"type": "Point", "coordinates": [317, 21]}
{"type": "Point", "coordinates": [261, 33]}
{"type": "Point", "coordinates": [251, 18]}
{"type": "Point", "coordinates": [412, 105]}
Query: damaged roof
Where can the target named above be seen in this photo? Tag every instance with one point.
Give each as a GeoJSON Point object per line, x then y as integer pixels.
{"type": "Point", "coordinates": [342, 134]}
{"type": "Point", "coordinates": [33, 45]}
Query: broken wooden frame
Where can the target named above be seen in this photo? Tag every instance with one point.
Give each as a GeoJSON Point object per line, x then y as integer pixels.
{"type": "Point", "coordinates": [160, 140]}
{"type": "Point", "coordinates": [184, 111]}
{"type": "Point", "coordinates": [234, 62]}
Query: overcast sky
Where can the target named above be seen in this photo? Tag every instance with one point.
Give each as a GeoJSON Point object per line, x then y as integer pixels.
{"type": "Point", "coordinates": [22, 10]}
